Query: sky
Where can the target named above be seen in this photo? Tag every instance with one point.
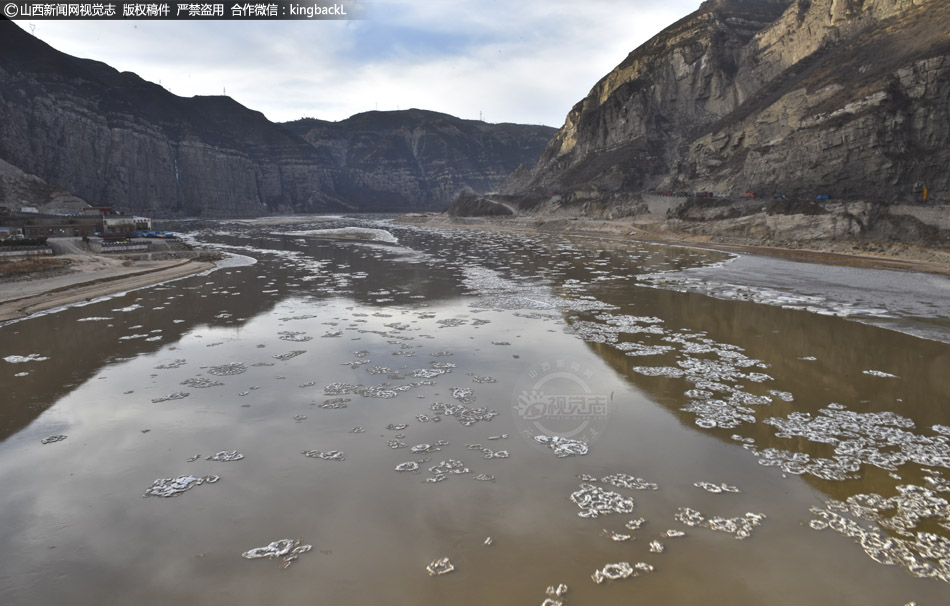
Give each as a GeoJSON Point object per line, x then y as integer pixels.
{"type": "Point", "coordinates": [522, 61]}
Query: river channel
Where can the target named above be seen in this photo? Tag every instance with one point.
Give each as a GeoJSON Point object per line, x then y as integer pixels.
{"type": "Point", "coordinates": [388, 414]}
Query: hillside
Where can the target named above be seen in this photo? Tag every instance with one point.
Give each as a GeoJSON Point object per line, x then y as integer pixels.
{"type": "Point", "coordinates": [415, 158]}
{"type": "Point", "coordinates": [113, 138]}
{"type": "Point", "coordinates": [844, 105]}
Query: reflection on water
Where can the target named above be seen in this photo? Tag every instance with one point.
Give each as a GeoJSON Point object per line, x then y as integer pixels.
{"type": "Point", "coordinates": [466, 418]}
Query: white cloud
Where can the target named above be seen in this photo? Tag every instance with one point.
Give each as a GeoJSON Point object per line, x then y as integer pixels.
{"type": "Point", "coordinates": [527, 61]}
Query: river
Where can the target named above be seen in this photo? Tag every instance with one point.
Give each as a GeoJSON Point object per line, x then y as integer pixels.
{"type": "Point", "coordinates": [409, 415]}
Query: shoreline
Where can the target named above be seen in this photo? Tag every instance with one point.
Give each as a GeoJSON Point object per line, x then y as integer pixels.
{"type": "Point", "coordinates": [829, 254]}
{"type": "Point", "coordinates": [33, 295]}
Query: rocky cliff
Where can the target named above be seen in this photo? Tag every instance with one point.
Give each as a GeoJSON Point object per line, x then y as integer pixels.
{"type": "Point", "coordinates": [848, 99]}
{"type": "Point", "coordinates": [420, 159]}
{"type": "Point", "coordinates": [113, 138]}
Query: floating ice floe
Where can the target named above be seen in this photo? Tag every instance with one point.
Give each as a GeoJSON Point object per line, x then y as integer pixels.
{"type": "Point", "coordinates": [440, 567]}
{"type": "Point", "coordinates": [922, 553]}
{"type": "Point", "coordinates": [740, 527]}
{"type": "Point", "coordinates": [465, 395]}
{"type": "Point", "coordinates": [287, 550]}
{"type": "Point", "coordinates": [715, 488]}
{"type": "Point", "coordinates": [290, 354]}
{"type": "Point", "coordinates": [673, 534]}
{"type": "Point", "coordinates": [555, 593]}
{"type": "Point", "coordinates": [173, 487]}
{"type": "Point", "coordinates": [295, 336]}
{"type": "Point", "coordinates": [623, 480]}
{"type": "Point", "coordinates": [635, 524]}
{"type": "Point", "coordinates": [563, 447]}
{"type": "Point", "coordinates": [201, 382]}
{"type": "Point", "coordinates": [427, 448]}
{"type": "Point", "coordinates": [52, 439]}
{"type": "Point", "coordinates": [334, 403]}
{"type": "Point", "coordinates": [24, 359]}
{"type": "Point", "coordinates": [464, 414]}
{"type": "Point", "coordinates": [326, 455]}
{"type": "Point", "coordinates": [227, 370]}
{"type": "Point", "coordinates": [640, 350]}
{"type": "Point", "coordinates": [407, 466]}
{"type": "Point", "coordinates": [449, 466]}
{"type": "Point", "coordinates": [879, 373]}
{"type": "Point", "coordinates": [594, 501]}
{"type": "Point", "coordinates": [225, 455]}
{"type": "Point", "coordinates": [656, 547]}
{"type": "Point", "coordinates": [178, 395]}
{"type": "Point", "coordinates": [782, 395]}
{"type": "Point", "coordinates": [349, 233]}
{"type": "Point", "coordinates": [881, 439]}
{"type": "Point", "coordinates": [620, 570]}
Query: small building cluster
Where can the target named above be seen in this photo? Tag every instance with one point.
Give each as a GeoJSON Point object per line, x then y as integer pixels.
{"type": "Point", "coordinates": [29, 223]}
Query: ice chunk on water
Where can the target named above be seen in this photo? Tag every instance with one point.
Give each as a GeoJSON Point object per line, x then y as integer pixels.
{"type": "Point", "coordinates": [226, 370]}
{"type": "Point", "coordinates": [879, 373]}
{"type": "Point", "coordinates": [24, 359]}
{"type": "Point", "coordinates": [614, 572]}
{"type": "Point", "coordinates": [463, 414]}
{"type": "Point", "coordinates": [449, 466]}
{"type": "Point", "coordinates": [563, 447]}
{"type": "Point", "coordinates": [52, 439]}
{"type": "Point", "coordinates": [623, 480]}
{"type": "Point", "coordinates": [201, 382]}
{"type": "Point", "coordinates": [715, 488]}
{"type": "Point", "coordinates": [594, 501]}
{"type": "Point", "coordinates": [440, 567]}
{"type": "Point", "coordinates": [295, 336]}
{"type": "Point", "coordinates": [326, 455]}
{"type": "Point", "coordinates": [178, 363]}
{"type": "Point", "coordinates": [286, 549]}
{"type": "Point", "coordinates": [740, 527]}
{"type": "Point", "coordinates": [922, 553]}
{"type": "Point", "coordinates": [173, 487]}
{"type": "Point", "coordinates": [225, 455]}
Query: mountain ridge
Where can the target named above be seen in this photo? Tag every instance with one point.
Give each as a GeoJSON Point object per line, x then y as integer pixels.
{"type": "Point", "coordinates": [111, 137]}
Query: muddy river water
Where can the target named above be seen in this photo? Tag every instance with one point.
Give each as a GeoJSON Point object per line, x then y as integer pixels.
{"type": "Point", "coordinates": [439, 416]}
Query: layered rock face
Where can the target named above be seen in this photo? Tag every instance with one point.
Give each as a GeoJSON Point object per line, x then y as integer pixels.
{"type": "Point", "coordinates": [420, 159]}
{"type": "Point", "coordinates": [114, 139]}
{"type": "Point", "coordinates": [842, 98]}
